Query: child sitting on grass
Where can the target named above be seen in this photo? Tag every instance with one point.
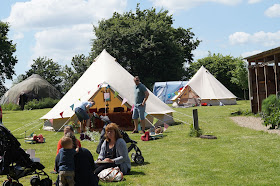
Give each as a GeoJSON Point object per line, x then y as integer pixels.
{"type": "Point", "coordinates": [66, 162]}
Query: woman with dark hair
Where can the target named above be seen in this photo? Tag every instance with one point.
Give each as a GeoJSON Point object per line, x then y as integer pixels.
{"type": "Point", "coordinates": [113, 152]}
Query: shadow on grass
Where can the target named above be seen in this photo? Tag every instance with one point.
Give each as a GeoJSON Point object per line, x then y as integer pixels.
{"type": "Point", "coordinates": [176, 123]}
{"type": "Point", "coordinates": [135, 164]}
{"type": "Point", "coordinates": [132, 173]}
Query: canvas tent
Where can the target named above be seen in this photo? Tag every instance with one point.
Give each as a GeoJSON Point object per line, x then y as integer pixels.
{"type": "Point", "coordinates": [105, 75]}
{"type": "Point", "coordinates": [34, 87]}
{"type": "Point", "coordinates": [165, 90]}
{"type": "Point", "coordinates": [204, 88]}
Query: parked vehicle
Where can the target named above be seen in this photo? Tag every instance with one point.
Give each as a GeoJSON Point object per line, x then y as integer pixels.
{"type": "Point", "coordinates": [0, 114]}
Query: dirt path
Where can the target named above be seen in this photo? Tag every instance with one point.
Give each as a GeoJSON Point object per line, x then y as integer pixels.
{"type": "Point", "coordinates": [253, 123]}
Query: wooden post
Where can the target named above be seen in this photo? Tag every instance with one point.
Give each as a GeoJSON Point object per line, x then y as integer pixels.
{"type": "Point", "coordinates": [250, 74]}
{"type": "Point", "coordinates": [276, 73]}
{"type": "Point", "coordinates": [265, 77]}
{"type": "Point", "coordinates": [257, 85]}
{"type": "Point", "coordinates": [195, 120]}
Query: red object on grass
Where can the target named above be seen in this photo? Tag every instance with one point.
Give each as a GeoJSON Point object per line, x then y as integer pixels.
{"type": "Point", "coordinates": [146, 136]}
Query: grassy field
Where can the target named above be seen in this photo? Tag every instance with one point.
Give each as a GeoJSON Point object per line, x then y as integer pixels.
{"type": "Point", "coordinates": [240, 156]}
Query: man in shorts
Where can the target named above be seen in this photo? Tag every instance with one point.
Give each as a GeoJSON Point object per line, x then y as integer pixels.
{"type": "Point", "coordinates": [141, 95]}
{"type": "Point", "coordinates": [81, 112]}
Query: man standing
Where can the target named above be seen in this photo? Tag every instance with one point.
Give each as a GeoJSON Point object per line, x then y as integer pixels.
{"type": "Point", "coordinates": [81, 112]}
{"type": "Point", "coordinates": [141, 96]}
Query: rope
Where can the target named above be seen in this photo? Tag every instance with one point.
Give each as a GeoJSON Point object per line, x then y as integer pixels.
{"type": "Point", "coordinates": [178, 119]}
{"type": "Point", "coordinates": [63, 125]}
{"type": "Point", "coordinates": [190, 117]}
{"type": "Point", "coordinates": [31, 128]}
{"type": "Point", "coordinates": [24, 126]}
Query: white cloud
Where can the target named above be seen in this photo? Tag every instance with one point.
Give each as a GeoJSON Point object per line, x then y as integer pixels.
{"type": "Point", "coordinates": [198, 54]}
{"type": "Point", "coordinates": [247, 54]}
{"type": "Point", "coordinates": [36, 14]}
{"type": "Point", "coordinates": [268, 39]}
{"type": "Point", "coordinates": [254, 1]}
{"type": "Point", "coordinates": [64, 43]}
{"type": "Point", "coordinates": [239, 38]}
{"type": "Point", "coordinates": [273, 11]}
{"type": "Point", "coordinates": [188, 4]}
{"type": "Point", "coordinates": [17, 36]}
{"type": "Point", "coordinates": [61, 28]}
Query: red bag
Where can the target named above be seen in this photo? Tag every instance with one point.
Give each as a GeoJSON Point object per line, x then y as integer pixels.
{"type": "Point", "coordinates": [40, 139]}
{"type": "Point", "coordinates": [203, 104]}
{"type": "Point", "coordinates": [146, 136]}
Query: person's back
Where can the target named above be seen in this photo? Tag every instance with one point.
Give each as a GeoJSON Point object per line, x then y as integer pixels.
{"type": "Point", "coordinates": [66, 165]}
{"type": "Point", "coordinates": [84, 167]}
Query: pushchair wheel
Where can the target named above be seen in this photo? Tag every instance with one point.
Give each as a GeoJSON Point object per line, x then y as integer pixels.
{"type": "Point", "coordinates": [35, 180]}
{"type": "Point", "coordinates": [133, 156]}
{"type": "Point", "coordinates": [6, 183]}
{"type": "Point", "coordinates": [46, 182]}
{"type": "Point", "coordinates": [139, 159]}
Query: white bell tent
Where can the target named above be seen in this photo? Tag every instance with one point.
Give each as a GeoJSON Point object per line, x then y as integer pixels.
{"type": "Point", "coordinates": [204, 88]}
{"type": "Point", "coordinates": [105, 71]}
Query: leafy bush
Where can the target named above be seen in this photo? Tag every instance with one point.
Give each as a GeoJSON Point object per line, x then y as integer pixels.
{"type": "Point", "coordinates": [10, 106]}
{"type": "Point", "coordinates": [43, 103]}
{"type": "Point", "coordinates": [270, 111]}
{"type": "Point", "coordinates": [195, 133]}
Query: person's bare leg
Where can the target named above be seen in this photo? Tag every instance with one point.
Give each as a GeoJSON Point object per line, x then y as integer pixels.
{"type": "Point", "coordinates": [135, 124]}
{"type": "Point", "coordinates": [87, 124]}
{"type": "Point", "coordinates": [143, 124]}
{"type": "Point", "coordinates": [83, 125]}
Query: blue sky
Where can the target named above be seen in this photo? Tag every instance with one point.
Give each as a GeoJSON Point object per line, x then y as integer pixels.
{"type": "Point", "coordinates": [61, 29]}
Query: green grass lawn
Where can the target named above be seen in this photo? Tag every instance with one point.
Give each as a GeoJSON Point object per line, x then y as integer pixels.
{"type": "Point", "coordinates": [240, 156]}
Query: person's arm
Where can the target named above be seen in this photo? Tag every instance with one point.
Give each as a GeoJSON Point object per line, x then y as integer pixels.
{"type": "Point", "coordinates": [56, 165]}
{"type": "Point", "coordinates": [146, 97]}
{"type": "Point", "coordinates": [58, 146]}
{"type": "Point", "coordinates": [101, 155]}
{"type": "Point", "coordinates": [78, 143]}
{"type": "Point", "coordinates": [121, 151]}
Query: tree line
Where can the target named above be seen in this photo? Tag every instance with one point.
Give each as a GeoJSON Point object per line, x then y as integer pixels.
{"type": "Point", "coordinates": [144, 42]}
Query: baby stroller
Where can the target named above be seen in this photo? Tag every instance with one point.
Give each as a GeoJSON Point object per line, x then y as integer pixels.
{"type": "Point", "coordinates": [16, 163]}
{"type": "Point", "coordinates": [136, 157]}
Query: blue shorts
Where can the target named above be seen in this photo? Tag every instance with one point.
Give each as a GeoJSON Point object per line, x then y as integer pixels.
{"type": "Point", "coordinates": [139, 110]}
{"type": "Point", "coordinates": [81, 114]}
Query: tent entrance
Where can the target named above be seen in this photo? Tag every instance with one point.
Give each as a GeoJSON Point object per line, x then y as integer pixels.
{"type": "Point", "coordinates": [108, 103]}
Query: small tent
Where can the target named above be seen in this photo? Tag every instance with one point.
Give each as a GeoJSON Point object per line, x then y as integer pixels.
{"type": "Point", "coordinates": [34, 87]}
{"type": "Point", "coordinates": [111, 87]}
{"type": "Point", "coordinates": [204, 88]}
{"type": "Point", "coordinates": [166, 90]}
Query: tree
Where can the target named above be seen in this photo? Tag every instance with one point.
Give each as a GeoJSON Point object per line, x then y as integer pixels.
{"type": "Point", "coordinates": [19, 79]}
{"type": "Point", "coordinates": [47, 69]}
{"type": "Point", "coordinates": [221, 67]}
{"type": "Point", "coordinates": [146, 44]}
{"type": "Point", "coordinates": [80, 64]}
{"type": "Point", "coordinates": [7, 60]}
{"type": "Point", "coordinates": [240, 76]}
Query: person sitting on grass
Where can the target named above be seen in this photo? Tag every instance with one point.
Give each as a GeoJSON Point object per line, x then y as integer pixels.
{"type": "Point", "coordinates": [84, 169]}
{"type": "Point", "coordinates": [114, 152]}
{"type": "Point", "coordinates": [66, 164]}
